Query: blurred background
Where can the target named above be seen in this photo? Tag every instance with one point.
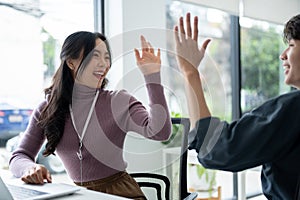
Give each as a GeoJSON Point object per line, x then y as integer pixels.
{"type": "Point", "coordinates": [242, 62]}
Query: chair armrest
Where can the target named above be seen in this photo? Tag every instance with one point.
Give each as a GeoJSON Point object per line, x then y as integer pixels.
{"type": "Point", "coordinates": [191, 196]}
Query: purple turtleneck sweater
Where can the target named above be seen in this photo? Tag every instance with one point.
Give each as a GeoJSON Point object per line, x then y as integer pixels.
{"type": "Point", "coordinates": [115, 114]}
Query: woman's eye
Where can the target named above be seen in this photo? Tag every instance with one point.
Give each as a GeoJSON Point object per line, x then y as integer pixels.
{"type": "Point", "coordinates": [96, 53]}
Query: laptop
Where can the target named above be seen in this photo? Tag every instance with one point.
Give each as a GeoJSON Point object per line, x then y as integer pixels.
{"type": "Point", "coordinates": [21, 191]}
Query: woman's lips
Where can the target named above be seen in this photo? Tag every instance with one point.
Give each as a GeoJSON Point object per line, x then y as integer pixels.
{"type": "Point", "coordinates": [99, 75]}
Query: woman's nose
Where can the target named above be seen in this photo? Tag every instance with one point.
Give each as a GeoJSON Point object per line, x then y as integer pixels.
{"type": "Point", "coordinates": [101, 63]}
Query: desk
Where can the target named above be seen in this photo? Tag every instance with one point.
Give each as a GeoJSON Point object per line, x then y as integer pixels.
{"type": "Point", "coordinates": [89, 194]}
{"type": "Point", "coordinates": [83, 194]}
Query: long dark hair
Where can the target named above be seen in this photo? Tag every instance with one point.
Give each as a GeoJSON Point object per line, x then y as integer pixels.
{"type": "Point", "coordinates": [53, 115]}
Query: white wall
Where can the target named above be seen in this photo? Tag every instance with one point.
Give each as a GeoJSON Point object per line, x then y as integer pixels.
{"type": "Point", "coordinates": [125, 22]}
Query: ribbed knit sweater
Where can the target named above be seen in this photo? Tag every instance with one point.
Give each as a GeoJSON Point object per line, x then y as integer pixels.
{"type": "Point", "coordinates": [115, 114]}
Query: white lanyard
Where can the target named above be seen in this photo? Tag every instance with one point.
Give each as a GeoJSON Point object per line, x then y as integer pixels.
{"type": "Point", "coordinates": [79, 154]}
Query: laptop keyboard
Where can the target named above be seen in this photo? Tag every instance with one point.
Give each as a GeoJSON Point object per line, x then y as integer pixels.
{"type": "Point", "coordinates": [23, 193]}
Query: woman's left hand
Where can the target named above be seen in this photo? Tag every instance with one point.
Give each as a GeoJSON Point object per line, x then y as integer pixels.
{"type": "Point", "coordinates": [148, 62]}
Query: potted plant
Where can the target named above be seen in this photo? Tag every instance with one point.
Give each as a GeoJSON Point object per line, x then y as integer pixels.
{"type": "Point", "coordinates": [201, 179]}
{"type": "Point", "coordinates": [177, 130]}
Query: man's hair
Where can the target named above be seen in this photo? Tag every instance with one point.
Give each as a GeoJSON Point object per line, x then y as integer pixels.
{"type": "Point", "coordinates": [292, 29]}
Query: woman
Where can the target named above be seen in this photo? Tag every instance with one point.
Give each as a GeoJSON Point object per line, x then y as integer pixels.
{"type": "Point", "coordinates": [268, 136]}
{"type": "Point", "coordinates": [86, 125]}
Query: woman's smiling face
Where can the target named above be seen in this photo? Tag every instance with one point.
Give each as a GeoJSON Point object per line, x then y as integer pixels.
{"type": "Point", "coordinates": [97, 66]}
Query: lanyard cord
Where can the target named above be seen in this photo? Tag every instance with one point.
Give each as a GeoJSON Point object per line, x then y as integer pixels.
{"type": "Point", "coordinates": [87, 120]}
{"type": "Point", "coordinates": [79, 153]}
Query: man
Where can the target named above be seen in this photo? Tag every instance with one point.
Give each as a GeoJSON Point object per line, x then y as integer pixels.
{"type": "Point", "coordinates": [269, 135]}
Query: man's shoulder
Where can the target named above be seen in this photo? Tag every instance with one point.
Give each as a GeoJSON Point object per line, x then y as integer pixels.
{"type": "Point", "coordinates": [295, 94]}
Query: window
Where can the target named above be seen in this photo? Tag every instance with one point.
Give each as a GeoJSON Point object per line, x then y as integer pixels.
{"type": "Point", "coordinates": [31, 39]}
{"type": "Point", "coordinates": [216, 71]}
{"type": "Point", "coordinates": [262, 72]}
{"type": "Point", "coordinates": [31, 36]}
{"type": "Point", "coordinates": [215, 67]}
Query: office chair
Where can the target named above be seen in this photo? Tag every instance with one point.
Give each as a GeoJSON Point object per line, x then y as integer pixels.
{"type": "Point", "coordinates": [157, 184]}
{"type": "Point", "coordinates": [156, 180]}
{"type": "Point", "coordinates": [183, 191]}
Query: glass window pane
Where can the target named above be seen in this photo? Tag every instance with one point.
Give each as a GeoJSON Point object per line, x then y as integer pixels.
{"type": "Point", "coordinates": [215, 67]}
{"type": "Point", "coordinates": [216, 74]}
{"type": "Point", "coordinates": [31, 36]}
{"type": "Point", "coordinates": [262, 74]}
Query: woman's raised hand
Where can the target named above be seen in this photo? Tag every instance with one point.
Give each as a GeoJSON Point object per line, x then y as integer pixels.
{"type": "Point", "coordinates": [147, 61]}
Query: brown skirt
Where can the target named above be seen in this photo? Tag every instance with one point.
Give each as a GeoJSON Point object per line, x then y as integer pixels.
{"type": "Point", "coordinates": [121, 184]}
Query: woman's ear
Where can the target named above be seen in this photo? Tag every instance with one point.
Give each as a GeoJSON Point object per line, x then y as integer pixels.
{"type": "Point", "coordinates": [70, 63]}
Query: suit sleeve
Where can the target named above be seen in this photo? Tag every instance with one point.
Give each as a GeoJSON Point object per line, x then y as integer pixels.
{"type": "Point", "coordinates": [260, 136]}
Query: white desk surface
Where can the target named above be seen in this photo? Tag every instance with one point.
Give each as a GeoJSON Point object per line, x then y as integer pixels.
{"type": "Point", "coordinates": [89, 194]}
{"type": "Point", "coordinates": [82, 194]}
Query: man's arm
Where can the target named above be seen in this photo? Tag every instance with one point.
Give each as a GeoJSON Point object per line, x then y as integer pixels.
{"type": "Point", "coordinates": [189, 57]}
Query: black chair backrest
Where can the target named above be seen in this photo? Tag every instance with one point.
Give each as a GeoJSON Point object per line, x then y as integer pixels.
{"type": "Point", "coordinates": [183, 193]}
{"type": "Point", "coordinates": [155, 185]}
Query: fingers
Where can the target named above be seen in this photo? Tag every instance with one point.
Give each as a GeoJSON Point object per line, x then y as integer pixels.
{"type": "Point", "coordinates": [151, 49]}
{"type": "Point", "coordinates": [181, 26]}
{"type": "Point", "coordinates": [205, 43]}
{"type": "Point", "coordinates": [158, 53]}
{"type": "Point", "coordinates": [188, 25]}
{"type": "Point", "coordinates": [48, 177]}
{"type": "Point", "coordinates": [176, 35]}
{"type": "Point", "coordinates": [147, 61]}
{"type": "Point", "coordinates": [37, 175]}
{"type": "Point", "coordinates": [195, 34]}
{"type": "Point", "coordinates": [137, 54]}
{"type": "Point", "coordinates": [146, 47]}
{"type": "Point", "coordinates": [189, 32]}
{"type": "Point", "coordinates": [144, 44]}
